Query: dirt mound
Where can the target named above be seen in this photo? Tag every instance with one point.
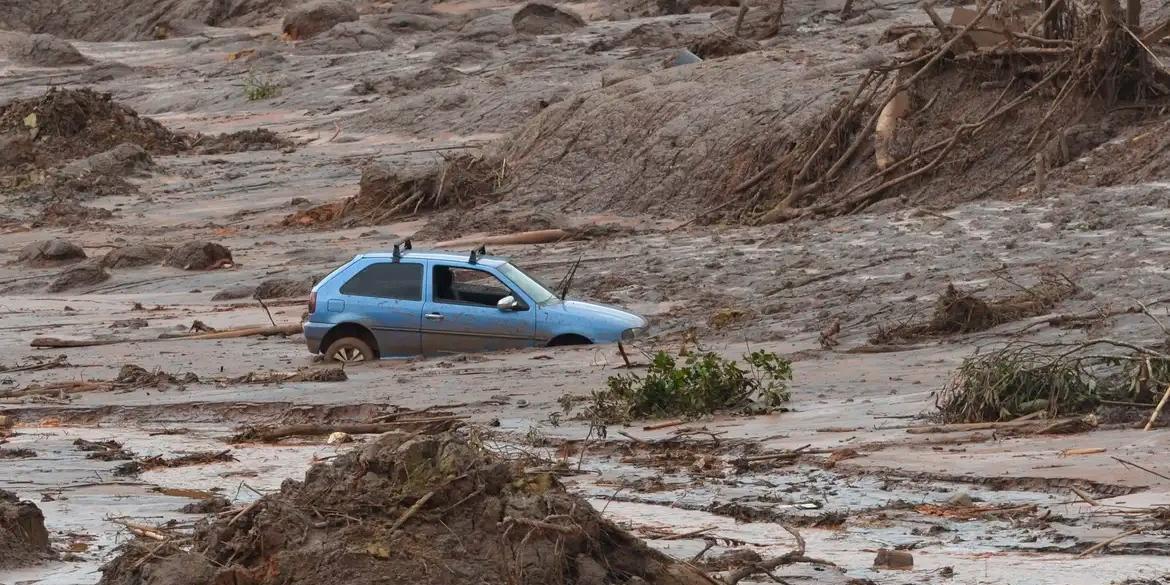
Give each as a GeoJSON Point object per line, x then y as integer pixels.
{"type": "Point", "coordinates": [309, 21]}
{"type": "Point", "coordinates": [358, 35]}
{"type": "Point", "coordinates": [123, 20]}
{"type": "Point", "coordinates": [538, 18]}
{"type": "Point", "coordinates": [23, 537]}
{"type": "Point", "coordinates": [67, 124]}
{"type": "Point", "coordinates": [40, 50]}
{"type": "Point", "coordinates": [50, 253]}
{"type": "Point", "coordinates": [134, 256]}
{"type": "Point", "coordinates": [198, 255]}
{"type": "Point", "coordinates": [387, 192]}
{"type": "Point", "coordinates": [242, 141]}
{"type": "Point", "coordinates": [423, 510]}
{"type": "Point", "coordinates": [87, 274]}
{"type": "Point", "coordinates": [658, 35]}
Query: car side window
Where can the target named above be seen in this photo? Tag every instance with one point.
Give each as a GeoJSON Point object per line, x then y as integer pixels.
{"type": "Point", "coordinates": [467, 286]}
{"type": "Point", "coordinates": [387, 280]}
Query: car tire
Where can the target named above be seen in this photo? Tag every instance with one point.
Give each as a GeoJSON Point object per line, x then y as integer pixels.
{"type": "Point", "coordinates": [349, 350]}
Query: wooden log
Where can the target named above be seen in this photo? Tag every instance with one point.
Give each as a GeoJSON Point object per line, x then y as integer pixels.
{"type": "Point", "coordinates": [982, 426]}
{"type": "Point", "coordinates": [532, 237]}
{"type": "Point", "coordinates": [53, 342]}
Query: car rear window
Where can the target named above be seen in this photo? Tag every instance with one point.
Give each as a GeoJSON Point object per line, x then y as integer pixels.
{"type": "Point", "coordinates": [387, 280]}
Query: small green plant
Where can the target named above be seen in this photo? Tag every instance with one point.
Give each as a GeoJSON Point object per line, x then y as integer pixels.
{"type": "Point", "coordinates": [260, 88]}
{"type": "Point", "coordinates": [692, 384]}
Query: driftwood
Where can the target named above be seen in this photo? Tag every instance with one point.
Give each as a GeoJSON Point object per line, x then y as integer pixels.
{"type": "Point", "coordinates": [60, 388]}
{"type": "Point", "coordinates": [982, 426]}
{"type": "Point", "coordinates": [269, 435]}
{"type": "Point", "coordinates": [532, 237]}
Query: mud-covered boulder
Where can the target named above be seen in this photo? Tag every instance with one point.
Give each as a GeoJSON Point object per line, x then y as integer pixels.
{"type": "Point", "coordinates": [317, 17]}
{"type": "Point", "coordinates": [79, 276]}
{"type": "Point", "coordinates": [40, 50]}
{"type": "Point", "coordinates": [198, 255]}
{"type": "Point", "coordinates": [276, 288]}
{"type": "Point", "coordinates": [134, 256]}
{"type": "Point", "coordinates": [122, 160]}
{"type": "Point", "coordinates": [23, 538]}
{"type": "Point", "coordinates": [69, 214]}
{"type": "Point", "coordinates": [539, 18]}
{"type": "Point", "coordinates": [53, 252]}
{"type": "Point", "coordinates": [356, 35]}
{"type": "Point", "coordinates": [488, 28]}
{"type": "Point", "coordinates": [231, 293]}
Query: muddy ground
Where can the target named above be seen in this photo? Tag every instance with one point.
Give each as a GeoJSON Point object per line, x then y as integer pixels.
{"type": "Point", "coordinates": [979, 506]}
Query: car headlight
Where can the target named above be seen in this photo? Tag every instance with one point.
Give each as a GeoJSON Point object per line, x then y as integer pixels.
{"type": "Point", "coordinates": [633, 333]}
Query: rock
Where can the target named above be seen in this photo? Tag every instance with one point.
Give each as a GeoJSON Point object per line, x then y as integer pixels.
{"type": "Point", "coordinates": [489, 28]}
{"type": "Point", "coordinates": [231, 293]}
{"type": "Point", "coordinates": [413, 22]}
{"type": "Point", "coordinates": [122, 160]}
{"type": "Point", "coordinates": [210, 505]}
{"type": "Point", "coordinates": [338, 438]}
{"type": "Point", "coordinates": [87, 274]}
{"type": "Point", "coordinates": [135, 323]}
{"type": "Point", "coordinates": [315, 18]}
{"type": "Point", "coordinates": [198, 255]}
{"type": "Point", "coordinates": [53, 252]}
{"type": "Point", "coordinates": [354, 36]}
{"type": "Point", "coordinates": [134, 256]}
{"type": "Point", "coordinates": [277, 288]}
{"type": "Point", "coordinates": [538, 18]}
{"type": "Point", "coordinates": [893, 559]}
{"type": "Point", "coordinates": [40, 50]}
{"type": "Point", "coordinates": [961, 499]}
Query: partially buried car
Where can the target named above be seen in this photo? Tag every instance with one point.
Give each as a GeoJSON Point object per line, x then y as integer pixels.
{"type": "Point", "coordinates": [407, 303]}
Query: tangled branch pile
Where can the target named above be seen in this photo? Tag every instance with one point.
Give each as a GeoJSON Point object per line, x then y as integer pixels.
{"type": "Point", "coordinates": [459, 181]}
{"type": "Point", "coordinates": [431, 509]}
{"type": "Point", "coordinates": [957, 311]}
{"type": "Point", "coordinates": [1025, 378]}
{"type": "Point", "coordinates": [927, 124]}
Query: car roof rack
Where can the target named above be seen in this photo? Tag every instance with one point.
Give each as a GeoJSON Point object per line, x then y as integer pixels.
{"type": "Point", "coordinates": [406, 245]}
{"type": "Point", "coordinates": [476, 253]}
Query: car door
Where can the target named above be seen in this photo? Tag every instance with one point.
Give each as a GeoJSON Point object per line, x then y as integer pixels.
{"type": "Point", "coordinates": [388, 298]}
{"type": "Point", "coordinates": [460, 313]}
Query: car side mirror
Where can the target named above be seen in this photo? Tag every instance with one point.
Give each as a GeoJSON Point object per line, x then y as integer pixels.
{"type": "Point", "coordinates": [508, 303]}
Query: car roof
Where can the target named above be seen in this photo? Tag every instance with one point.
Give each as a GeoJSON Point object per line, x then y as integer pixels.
{"type": "Point", "coordinates": [459, 257]}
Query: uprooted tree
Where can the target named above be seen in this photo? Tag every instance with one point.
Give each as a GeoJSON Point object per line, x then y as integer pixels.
{"type": "Point", "coordinates": [1010, 91]}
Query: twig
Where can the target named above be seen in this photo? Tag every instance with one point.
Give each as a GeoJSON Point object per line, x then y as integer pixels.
{"type": "Point", "coordinates": [411, 511]}
{"type": "Point", "coordinates": [1105, 543]}
{"type": "Point", "coordinates": [1158, 409]}
{"type": "Point", "coordinates": [265, 307]}
{"type": "Point", "coordinates": [1145, 469]}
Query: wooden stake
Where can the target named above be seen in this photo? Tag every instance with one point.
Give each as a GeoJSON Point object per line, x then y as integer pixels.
{"type": "Point", "coordinates": [1158, 409]}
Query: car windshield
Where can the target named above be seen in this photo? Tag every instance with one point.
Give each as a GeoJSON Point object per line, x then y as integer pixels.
{"type": "Point", "coordinates": [531, 287]}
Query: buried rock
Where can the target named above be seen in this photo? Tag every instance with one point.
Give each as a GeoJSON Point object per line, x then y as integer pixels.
{"type": "Point", "coordinates": [538, 18]}
{"type": "Point", "coordinates": [316, 18]}
{"type": "Point", "coordinates": [53, 252]}
{"type": "Point", "coordinates": [198, 255]}
{"type": "Point", "coordinates": [134, 256]}
{"type": "Point", "coordinates": [87, 274]}
{"type": "Point", "coordinates": [23, 538]}
{"type": "Point", "coordinates": [399, 508]}
{"type": "Point", "coordinates": [279, 288]}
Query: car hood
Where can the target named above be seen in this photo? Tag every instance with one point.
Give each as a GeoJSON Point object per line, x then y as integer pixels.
{"type": "Point", "coordinates": [598, 311]}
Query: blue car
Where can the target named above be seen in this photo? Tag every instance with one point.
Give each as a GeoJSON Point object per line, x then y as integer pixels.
{"type": "Point", "coordinates": [398, 304]}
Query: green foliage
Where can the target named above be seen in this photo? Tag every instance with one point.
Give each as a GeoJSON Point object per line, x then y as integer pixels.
{"type": "Point", "coordinates": [260, 88]}
{"type": "Point", "coordinates": [701, 384]}
{"type": "Point", "coordinates": [1013, 382]}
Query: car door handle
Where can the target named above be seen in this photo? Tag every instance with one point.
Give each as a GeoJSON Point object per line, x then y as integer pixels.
{"type": "Point", "coordinates": [434, 316]}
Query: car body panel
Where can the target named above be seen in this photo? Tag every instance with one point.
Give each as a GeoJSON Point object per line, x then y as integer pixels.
{"type": "Point", "coordinates": [435, 325]}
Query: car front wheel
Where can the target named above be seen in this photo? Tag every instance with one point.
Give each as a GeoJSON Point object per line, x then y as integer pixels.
{"type": "Point", "coordinates": [349, 350]}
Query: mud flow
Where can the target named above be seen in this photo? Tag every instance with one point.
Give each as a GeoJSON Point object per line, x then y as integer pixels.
{"type": "Point", "coordinates": [902, 268]}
